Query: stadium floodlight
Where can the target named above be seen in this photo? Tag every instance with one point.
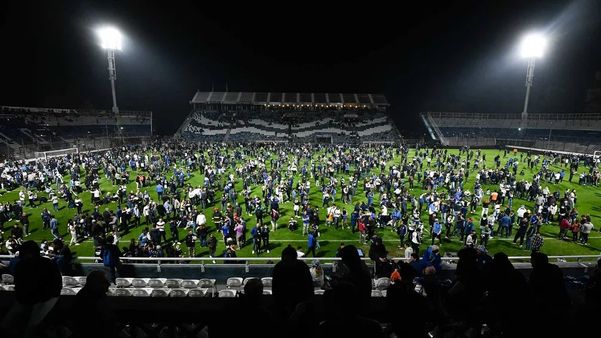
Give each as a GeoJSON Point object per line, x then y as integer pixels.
{"type": "Point", "coordinates": [111, 40]}
{"type": "Point", "coordinates": [533, 46]}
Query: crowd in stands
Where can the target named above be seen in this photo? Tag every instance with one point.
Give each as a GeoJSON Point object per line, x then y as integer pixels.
{"type": "Point", "coordinates": [274, 126]}
{"type": "Point", "coordinates": [487, 297]}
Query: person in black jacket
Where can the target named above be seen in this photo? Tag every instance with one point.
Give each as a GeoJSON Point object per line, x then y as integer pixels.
{"type": "Point", "coordinates": [63, 257]}
{"type": "Point", "coordinates": [38, 284]}
{"type": "Point", "coordinates": [91, 315]}
{"type": "Point", "coordinates": [292, 282]}
{"type": "Point", "coordinates": [353, 270]}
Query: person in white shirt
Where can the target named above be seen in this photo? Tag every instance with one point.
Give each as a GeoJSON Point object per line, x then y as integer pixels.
{"type": "Point", "coordinates": [161, 227]}
{"type": "Point", "coordinates": [201, 219]}
{"type": "Point", "coordinates": [521, 211]}
{"type": "Point", "coordinates": [73, 232]}
{"type": "Point", "coordinates": [470, 241]}
{"type": "Point", "coordinates": [96, 195]}
{"type": "Point", "coordinates": [585, 231]}
{"type": "Point", "coordinates": [408, 252]}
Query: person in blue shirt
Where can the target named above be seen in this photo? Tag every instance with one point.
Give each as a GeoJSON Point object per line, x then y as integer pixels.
{"type": "Point", "coordinates": [432, 258]}
{"type": "Point", "coordinates": [311, 244]}
{"type": "Point", "coordinates": [160, 190]}
{"type": "Point", "coordinates": [143, 238]}
{"type": "Point", "coordinates": [534, 220]}
{"type": "Point", "coordinates": [396, 216]}
{"type": "Point", "coordinates": [54, 227]}
{"type": "Point", "coordinates": [504, 224]}
{"type": "Point", "coordinates": [436, 231]}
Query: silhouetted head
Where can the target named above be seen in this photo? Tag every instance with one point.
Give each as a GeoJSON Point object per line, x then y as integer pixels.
{"type": "Point", "coordinates": [289, 253]}
{"type": "Point", "coordinates": [58, 244]}
{"type": "Point", "coordinates": [538, 259]}
{"type": "Point", "coordinates": [501, 261]}
{"type": "Point", "coordinates": [350, 256]}
{"type": "Point", "coordinates": [97, 283]}
{"type": "Point", "coordinates": [253, 290]}
{"type": "Point", "coordinates": [407, 272]}
{"type": "Point", "coordinates": [29, 249]}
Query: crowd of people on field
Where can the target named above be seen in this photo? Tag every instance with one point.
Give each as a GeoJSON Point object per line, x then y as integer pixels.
{"type": "Point", "coordinates": [363, 189]}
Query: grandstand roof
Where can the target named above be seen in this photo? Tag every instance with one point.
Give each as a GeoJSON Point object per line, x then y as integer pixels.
{"type": "Point", "coordinates": [275, 98]}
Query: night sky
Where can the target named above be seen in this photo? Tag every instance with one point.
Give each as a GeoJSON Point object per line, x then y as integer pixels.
{"type": "Point", "coordinates": [451, 56]}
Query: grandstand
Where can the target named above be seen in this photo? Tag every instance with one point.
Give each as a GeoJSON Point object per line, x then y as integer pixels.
{"type": "Point", "coordinates": [26, 130]}
{"type": "Point", "coordinates": [572, 132]}
{"type": "Point", "coordinates": [289, 117]}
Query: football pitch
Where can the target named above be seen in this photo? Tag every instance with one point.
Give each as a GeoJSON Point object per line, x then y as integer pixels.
{"type": "Point", "coordinates": [588, 202]}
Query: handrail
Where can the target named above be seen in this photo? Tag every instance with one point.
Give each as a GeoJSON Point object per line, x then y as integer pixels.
{"type": "Point", "coordinates": [309, 259]}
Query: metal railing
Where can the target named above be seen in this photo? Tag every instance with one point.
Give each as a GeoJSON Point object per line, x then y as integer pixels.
{"type": "Point", "coordinates": [246, 262]}
{"type": "Point", "coordinates": [272, 260]}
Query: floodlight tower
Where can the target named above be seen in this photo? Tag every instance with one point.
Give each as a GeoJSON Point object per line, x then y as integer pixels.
{"type": "Point", "coordinates": [110, 39]}
{"type": "Point", "coordinates": [533, 46]}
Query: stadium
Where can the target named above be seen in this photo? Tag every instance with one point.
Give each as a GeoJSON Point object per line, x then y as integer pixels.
{"type": "Point", "coordinates": [297, 213]}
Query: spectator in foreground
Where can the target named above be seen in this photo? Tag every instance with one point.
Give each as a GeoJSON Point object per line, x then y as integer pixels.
{"type": "Point", "coordinates": [92, 316]}
{"type": "Point", "coordinates": [292, 282]}
{"type": "Point", "coordinates": [353, 270]}
{"type": "Point", "coordinates": [345, 321]}
{"type": "Point", "coordinates": [63, 257]}
{"type": "Point", "coordinates": [551, 301]}
{"type": "Point", "coordinates": [38, 284]}
{"type": "Point", "coordinates": [255, 313]}
{"type": "Point", "coordinates": [404, 306]}
{"type": "Point", "coordinates": [505, 284]}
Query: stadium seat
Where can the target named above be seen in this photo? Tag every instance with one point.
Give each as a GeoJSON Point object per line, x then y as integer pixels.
{"type": "Point", "coordinates": [123, 282]}
{"type": "Point", "coordinates": [140, 292]}
{"type": "Point", "coordinates": [228, 293]}
{"type": "Point", "coordinates": [8, 288]}
{"type": "Point", "coordinates": [208, 284]}
{"type": "Point", "coordinates": [160, 293]}
{"type": "Point", "coordinates": [267, 282]}
{"type": "Point", "coordinates": [319, 292]}
{"type": "Point", "coordinates": [190, 283]}
{"type": "Point", "coordinates": [81, 280]}
{"type": "Point", "coordinates": [173, 283]}
{"type": "Point", "coordinates": [8, 279]}
{"type": "Point", "coordinates": [267, 292]}
{"type": "Point", "coordinates": [376, 293]}
{"type": "Point", "coordinates": [69, 291]}
{"type": "Point", "coordinates": [382, 283]}
{"type": "Point", "coordinates": [69, 282]}
{"type": "Point", "coordinates": [234, 282]}
{"type": "Point", "coordinates": [197, 293]}
{"type": "Point", "coordinates": [178, 292]}
{"type": "Point", "coordinates": [156, 282]}
{"type": "Point", "coordinates": [139, 282]}
{"type": "Point", "coordinates": [122, 292]}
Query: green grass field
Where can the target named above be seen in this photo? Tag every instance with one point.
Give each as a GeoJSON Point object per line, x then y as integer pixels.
{"type": "Point", "coordinates": [589, 202]}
